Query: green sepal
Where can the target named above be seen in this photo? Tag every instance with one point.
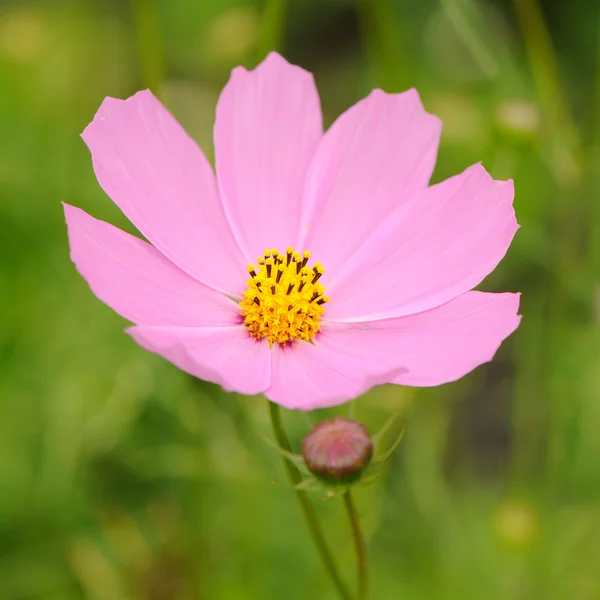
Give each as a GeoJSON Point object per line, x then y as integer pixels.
{"type": "Point", "coordinates": [382, 457]}
{"type": "Point", "coordinates": [296, 459]}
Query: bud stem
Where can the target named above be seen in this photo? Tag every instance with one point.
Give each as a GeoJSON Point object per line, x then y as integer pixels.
{"type": "Point", "coordinates": [360, 546]}
{"type": "Point", "coordinates": [308, 510]}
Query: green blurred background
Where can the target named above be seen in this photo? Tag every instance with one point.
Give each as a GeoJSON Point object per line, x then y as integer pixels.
{"type": "Point", "coordinates": [122, 478]}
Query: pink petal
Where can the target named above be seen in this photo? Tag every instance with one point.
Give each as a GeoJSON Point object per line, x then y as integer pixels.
{"type": "Point", "coordinates": [438, 244]}
{"type": "Point", "coordinates": [444, 343]}
{"type": "Point", "coordinates": [267, 128]}
{"type": "Point", "coordinates": [227, 356]}
{"type": "Point", "coordinates": [372, 157]}
{"type": "Point", "coordinates": [331, 371]}
{"type": "Point", "coordinates": [426, 349]}
{"type": "Point", "coordinates": [137, 281]}
{"type": "Point", "coordinates": [161, 180]}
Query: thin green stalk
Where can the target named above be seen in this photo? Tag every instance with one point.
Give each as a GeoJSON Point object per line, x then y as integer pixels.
{"type": "Point", "coordinates": [593, 159]}
{"type": "Point", "coordinates": [379, 30]}
{"type": "Point", "coordinates": [308, 510]}
{"type": "Point", "coordinates": [596, 98]}
{"type": "Point", "coordinates": [360, 546]}
{"type": "Point", "coordinates": [566, 148]}
{"type": "Point", "coordinates": [470, 38]}
{"type": "Point", "coordinates": [544, 67]}
{"type": "Point", "coordinates": [273, 22]}
{"type": "Point", "coordinates": [148, 40]}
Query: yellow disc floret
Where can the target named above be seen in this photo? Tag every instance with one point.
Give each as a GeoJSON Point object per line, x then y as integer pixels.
{"type": "Point", "coordinates": [284, 300]}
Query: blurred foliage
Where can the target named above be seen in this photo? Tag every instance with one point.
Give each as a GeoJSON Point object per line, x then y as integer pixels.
{"type": "Point", "coordinates": [122, 478]}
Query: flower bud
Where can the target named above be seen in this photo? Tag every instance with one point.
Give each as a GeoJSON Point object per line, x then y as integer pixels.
{"type": "Point", "coordinates": [338, 450]}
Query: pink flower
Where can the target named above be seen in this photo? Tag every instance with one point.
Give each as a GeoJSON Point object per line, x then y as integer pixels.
{"type": "Point", "coordinates": [396, 258]}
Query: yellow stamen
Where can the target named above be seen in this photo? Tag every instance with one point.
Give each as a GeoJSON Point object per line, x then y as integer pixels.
{"type": "Point", "coordinates": [284, 300]}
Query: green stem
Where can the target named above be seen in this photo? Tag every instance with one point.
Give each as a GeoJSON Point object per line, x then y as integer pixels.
{"type": "Point", "coordinates": [566, 152]}
{"type": "Point", "coordinates": [360, 546]}
{"type": "Point", "coordinates": [147, 33]}
{"type": "Point", "coordinates": [563, 133]}
{"type": "Point", "coordinates": [596, 97]}
{"type": "Point", "coordinates": [470, 38]}
{"type": "Point", "coordinates": [593, 159]}
{"type": "Point", "coordinates": [308, 510]}
{"type": "Point", "coordinates": [273, 23]}
{"type": "Point", "coordinates": [383, 45]}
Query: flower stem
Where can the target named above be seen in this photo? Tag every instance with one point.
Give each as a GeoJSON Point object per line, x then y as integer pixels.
{"type": "Point", "coordinates": [471, 38]}
{"type": "Point", "coordinates": [273, 26]}
{"type": "Point", "coordinates": [360, 545]}
{"type": "Point", "coordinates": [563, 134]}
{"type": "Point", "coordinates": [308, 510]}
{"type": "Point", "coordinates": [382, 40]}
{"type": "Point", "coordinates": [150, 52]}
{"type": "Point", "coordinates": [565, 149]}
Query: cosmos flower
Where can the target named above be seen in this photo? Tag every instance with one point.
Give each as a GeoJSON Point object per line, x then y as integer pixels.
{"type": "Point", "coordinates": [314, 265]}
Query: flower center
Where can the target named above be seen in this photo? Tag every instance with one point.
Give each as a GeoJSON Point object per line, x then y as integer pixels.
{"type": "Point", "coordinates": [284, 300]}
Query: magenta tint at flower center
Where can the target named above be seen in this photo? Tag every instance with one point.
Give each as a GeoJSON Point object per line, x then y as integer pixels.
{"type": "Point", "coordinates": [225, 287]}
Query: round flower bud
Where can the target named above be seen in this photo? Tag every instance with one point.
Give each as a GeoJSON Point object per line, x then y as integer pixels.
{"type": "Point", "coordinates": [338, 450]}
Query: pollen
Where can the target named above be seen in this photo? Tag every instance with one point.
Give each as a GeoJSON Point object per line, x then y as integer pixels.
{"type": "Point", "coordinates": [284, 300]}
